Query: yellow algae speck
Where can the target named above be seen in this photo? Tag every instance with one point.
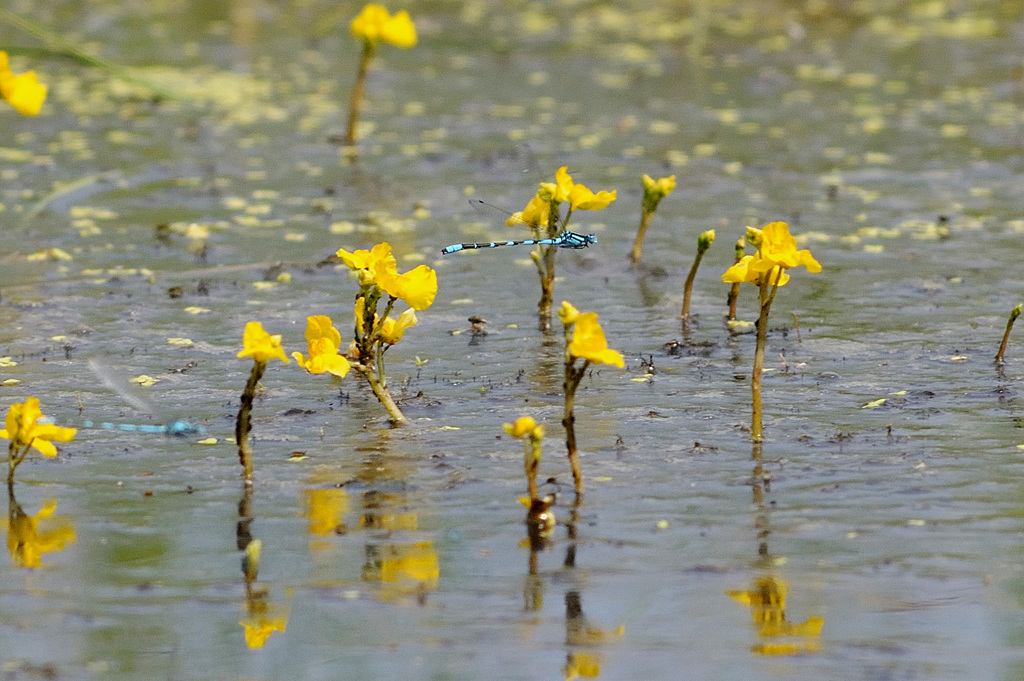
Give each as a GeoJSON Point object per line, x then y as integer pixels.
{"type": "Point", "coordinates": [184, 342]}
{"type": "Point", "coordinates": [144, 380]}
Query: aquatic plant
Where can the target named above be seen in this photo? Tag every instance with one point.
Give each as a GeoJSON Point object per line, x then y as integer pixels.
{"type": "Point", "coordinates": [734, 290]}
{"type": "Point", "coordinates": [704, 242]}
{"type": "Point", "coordinates": [324, 342]}
{"type": "Point", "coordinates": [1014, 313]}
{"type": "Point", "coordinates": [373, 25]}
{"type": "Point", "coordinates": [378, 274]}
{"type": "Point", "coordinates": [584, 339]}
{"type": "Point", "coordinates": [543, 215]}
{"type": "Point", "coordinates": [23, 91]}
{"type": "Point", "coordinates": [27, 429]}
{"type": "Point", "coordinates": [654, 192]}
{"type": "Point", "coordinates": [766, 269]}
{"type": "Point", "coordinates": [262, 347]}
{"type": "Point", "coordinates": [539, 518]}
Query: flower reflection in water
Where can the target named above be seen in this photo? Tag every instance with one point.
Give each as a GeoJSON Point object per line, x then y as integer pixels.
{"type": "Point", "coordinates": [27, 541]}
{"type": "Point", "coordinates": [402, 569]}
{"type": "Point", "coordinates": [767, 603]}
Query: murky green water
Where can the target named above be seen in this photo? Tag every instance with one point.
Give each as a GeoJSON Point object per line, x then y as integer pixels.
{"type": "Point", "coordinates": [399, 553]}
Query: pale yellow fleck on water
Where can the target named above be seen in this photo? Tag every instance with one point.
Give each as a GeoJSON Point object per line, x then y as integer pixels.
{"type": "Point", "coordinates": [952, 131]}
{"type": "Point", "coordinates": [662, 524]}
{"type": "Point", "coordinates": [258, 209]}
{"type": "Point", "coordinates": [537, 78]}
{"type": "Point", "coordinates": [958, 358]}
{"type": "Point", "coordinates": [184, 342]}
{"type": "Point", "coordinates": [413, 109]}
{"type": "Point", "coordinates": [58, 337]}
{"type": "Point", "coordinates": [732, 168]}
{"type": "Point", "coordinates": [873, 125]}
{"type": "Point", "coordinates": [342, 227]}
{"type": "Point", "coordinates": [662, 128]}
{"type": "Point", "coordinates": [705, 149]}
{"type": "Point", "coordinates": [462, 301]}
{"type": "Point", "coordinates": [677, 158]}
{"type": "Point", "coordinates": [144, 380]}
{"type": "Point", "coordinates": [264, 285]}
{"type": "Point", "coordinates": [48, 254]}
{"type": "Point", "coordinates": [234, 202]}
{"type": "Point", "coordinates": [981, 191]}
{"type": "Point", "coordinates": [284, 278]}
{"type": "Point", "coordinates": [196, 231]}
{"type": "Point", "coordinates": [193, 309]}
{"type": "Point", "coordinates": [874, 248]}
{"type": "Point", "coordinates": [589, 141]}
{"type": "Point", "coordinates": [409, 149]}
{"type": "Point", "coordinates": [861, 80]}
{"type": "Point", "coordinates": [852, 534]}
{"type": "Point", "coordinates": [877, 158]}
{"type": "Point", "coordinates": [207, 441]}
{"type": "Point", "coordinates": [916, 522]}
{"type": "Point", "coordinates": [7, 362]}
{"type": "Point", "coordinates": [602, 478]}
{"type": "Point", "coordinates": [421, 213]}
{"type": "Point", "coordinates": [727, 116]}
{"type": "Point", "coordinates": [295, 236]}
{"type": "Point", "coordinates": [873, 404]}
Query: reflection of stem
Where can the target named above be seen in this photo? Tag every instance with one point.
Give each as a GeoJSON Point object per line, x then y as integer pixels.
{"type": "Point", "coordinates": [570, 529]}
{"type": "Point", "coordinates": [357, 92]}
{"type": "Point", "coordinates": [243, 424]}
{"type": "Point", "coordinates": [382, 393]}
{"type": "Point", "coordinates": [638, 244]}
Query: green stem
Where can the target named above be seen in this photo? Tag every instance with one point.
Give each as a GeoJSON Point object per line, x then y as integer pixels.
{"type": "Point", "coordinates": [243, 424]}
{"type": "Point", "coordinates": [1016, 312]}
{"type": "Point", "coordinates": [765, 297]}
{"type": "Point", "coordinates": [357, 92]}
{"type": "Point", "coordinates": [638, 243]}
{"type": "Point", "coordinates": [382, 393]}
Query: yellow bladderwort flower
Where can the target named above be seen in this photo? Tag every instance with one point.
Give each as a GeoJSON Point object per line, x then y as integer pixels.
{"type": "Point", "coordinates": [27, 543]}
{"type": "Point", "coordinates": [374, 24]}
{"type": "Point", "coordinates": [393, 329]}
{"type": "Point", "coordinates": [524, 425]}
{"type": "Point", "coordinates": [581, 198]}
{"type": "Point", "coordinates": [23, 91]}
{"type": "Point", "coordinates": [418, 287]}
{"type": "Point", "coordinates": [778, 247]}
{"type": "Point", "coordinates": [745, 272]}
{"type": "Point", "coordinates": [24, 429]}
{"type": "Point", "coordinates": [588, 342]}
{"type": "Point", "coordinates": [536, 214]}
{"type": "Point", "coordinates": [656, 190]}
{"type": "Point", "coordinates": [260, 345]}
{"type": "Point", "coordinates": [567, 313]}
{"type": "Point", "coordinates": [559, 190]}
{"type": "Point", "coordinates": [324, 341]}
{"type": "Point", "coordinates": [365, 262]}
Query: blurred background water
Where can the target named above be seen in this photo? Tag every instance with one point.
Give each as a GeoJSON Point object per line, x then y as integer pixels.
{"type": "Point", "coordinates": [146, 232]}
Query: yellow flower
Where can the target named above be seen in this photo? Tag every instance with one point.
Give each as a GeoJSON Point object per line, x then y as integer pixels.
{"type": "Point", "coordinates": [558, 190]}
{"type": "Point", "coordinates": [743, 271]}
{"type": "Point", "coordinates": [536, 214]}
{"type": "Point", "coordinates": [589, 343]}
{"type": "Point", "coordinates": [24, 91]}
{"type": "Point", "coordinates": [260, 345]}
{"type": "Point", "coordinates": [567, 313]}
{"type": "Point", "coordinates": [778, 247]}
{"type": "Point", "coordinates": [392, 330]}
{"type": "Point", "coordinates": [27, 544]}
{"type": "Point", "coordinates": [375, 24]}
{"type": "Point", "coordinates": [324, 341]}
{"type": "Point", "coordinates": [524, 425]}
{"type": "Point", "coordinates": [582, 198]}
{"type": "Point", "coordinates": [23, 429]}
{"type": "Point", "coordinates": [656, 190]}
{"type": "Point", "coordinates": [418, 287]}
{"type": "Point", "coordinates": [365, 262]}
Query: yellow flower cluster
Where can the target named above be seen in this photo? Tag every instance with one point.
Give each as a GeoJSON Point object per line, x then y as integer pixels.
{"type": "Point", "coordinates": [378, 266]}
{"type": "Point", "coordinates": [23, 91]}
{"type": "Point", "coordinates": [538, 211]}
{"type": "Point", "coordinates": [656, 190]}
{"type": "Point", "coordinates": [374, 24]}
{"type": "Point", "coordinates": [323, 341]}
{"type": "Point", "coordinates": [776, 252]}
{"type": "Point", "coordinates": [523, 426]}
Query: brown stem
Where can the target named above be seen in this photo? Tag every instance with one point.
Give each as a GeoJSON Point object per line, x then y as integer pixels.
{"type": "Point", "coordinates": [573, 377]}
{"type": "Point", "coordinates": [357, 92]}
{"type": "Point", "coordinates": [243, 424]}
{"type": "Point", "coordinates": [638, 243]}
{"type": "Point", "coordinates": [688, 287]}
{"type": "Point", "coordinates": [734, 294]}
{"type": "Point", "coordinates": [1016, 312]}
{"type": "Point", "coordinates": [532, 462]}
{"type": "Point", "coordinates": [382, 393]}
{"type": "Point", "coordinates": [765, 297]}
